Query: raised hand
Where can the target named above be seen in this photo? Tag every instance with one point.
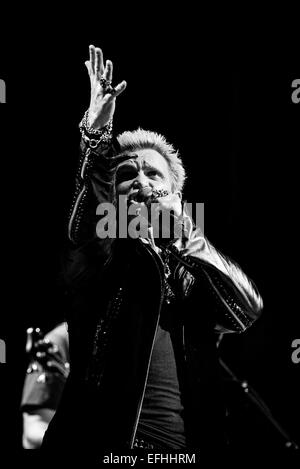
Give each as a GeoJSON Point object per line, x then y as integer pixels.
{"type": "Point", "coordinates": [103, 94]}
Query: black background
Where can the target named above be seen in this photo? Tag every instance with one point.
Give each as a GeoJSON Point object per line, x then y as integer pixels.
{"type": "Point", "coordinates": [226, 104]}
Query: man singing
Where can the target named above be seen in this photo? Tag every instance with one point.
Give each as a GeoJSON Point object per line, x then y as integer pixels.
{"type": "Point", "coordinates": [145, 311]}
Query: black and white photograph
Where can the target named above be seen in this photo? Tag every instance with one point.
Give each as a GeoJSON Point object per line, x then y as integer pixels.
{"type": "Point", "coordinates": [149, 244]}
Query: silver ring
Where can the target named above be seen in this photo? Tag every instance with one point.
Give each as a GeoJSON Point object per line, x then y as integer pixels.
{"type": "Point", "coordinates": [104, 82]}
{"type": "Point", "coordinates": [106, 85]}
{"type": "Point", "coordinates": [159, 193]}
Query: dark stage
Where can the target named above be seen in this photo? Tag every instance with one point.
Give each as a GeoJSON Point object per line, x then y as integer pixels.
{"type": "Point", "coordinates": [231, 115]}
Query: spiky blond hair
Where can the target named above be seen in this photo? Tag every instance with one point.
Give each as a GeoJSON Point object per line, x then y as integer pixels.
{"type": "Point", "coordinates": [140, 138]}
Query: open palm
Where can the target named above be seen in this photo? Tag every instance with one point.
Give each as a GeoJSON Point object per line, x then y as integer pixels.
{"type": "Point", "coordinates": [103, 95]}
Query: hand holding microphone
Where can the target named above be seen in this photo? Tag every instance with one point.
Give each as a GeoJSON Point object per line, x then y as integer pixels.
{"type": "Point", "coordinates": [161, 210]}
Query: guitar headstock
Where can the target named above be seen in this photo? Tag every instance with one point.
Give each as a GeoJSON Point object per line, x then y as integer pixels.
{"type": "Point", "coordinates": [44, 355]}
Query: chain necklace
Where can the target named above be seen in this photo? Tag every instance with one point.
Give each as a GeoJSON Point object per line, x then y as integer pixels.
{"type": "Point", "coordinates": [169, 294]}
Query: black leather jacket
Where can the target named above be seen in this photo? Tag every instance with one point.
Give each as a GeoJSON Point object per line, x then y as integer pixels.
{"type": "Point", "coordinates": [108, 282]}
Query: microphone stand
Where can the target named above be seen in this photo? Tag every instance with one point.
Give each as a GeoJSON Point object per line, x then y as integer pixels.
{"type": "Point", "coordinates": [254, 397]}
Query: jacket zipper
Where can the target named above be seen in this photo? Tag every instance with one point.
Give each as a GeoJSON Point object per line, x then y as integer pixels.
{"type": "Point", "coordinates": [80, 196]}
{"type": "Point", "coordinates": [75, 212]}
{"type": "Point", "coordinates": [148, 368]}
